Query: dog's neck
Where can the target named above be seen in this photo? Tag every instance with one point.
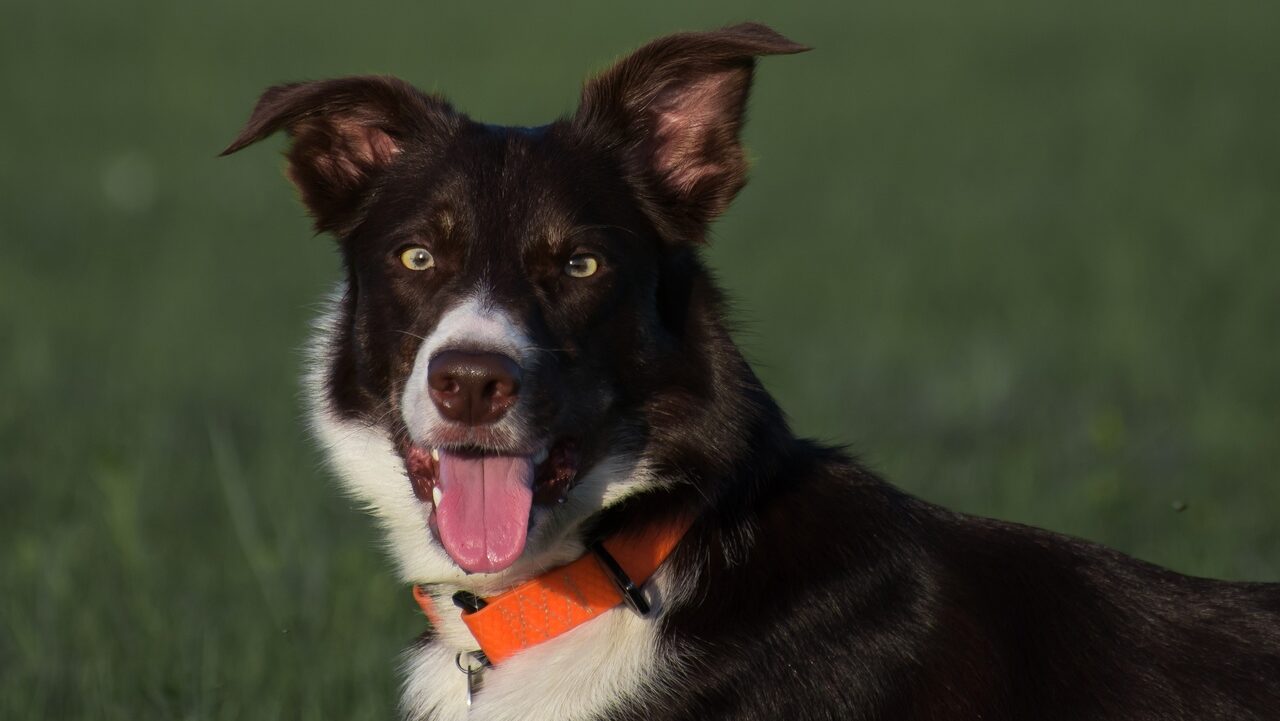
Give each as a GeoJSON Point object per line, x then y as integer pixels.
{"type": "Point", "coordinates": [733, 407]}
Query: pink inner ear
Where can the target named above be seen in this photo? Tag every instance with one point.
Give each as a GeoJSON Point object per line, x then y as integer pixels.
{"type": "Point", "coordinates": [691, 120]}
{"type": "Point", "coordinates": [345, 149]}
{"type": "Point", "coordinates": [371, 145]}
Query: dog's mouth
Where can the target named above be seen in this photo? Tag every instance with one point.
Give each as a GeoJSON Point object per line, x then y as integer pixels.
{"type": "Point", "coordinates": [480, 501]}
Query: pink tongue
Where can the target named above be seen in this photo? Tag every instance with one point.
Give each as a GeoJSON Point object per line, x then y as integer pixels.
{"type": "Point", "coordinates": [483, 513]}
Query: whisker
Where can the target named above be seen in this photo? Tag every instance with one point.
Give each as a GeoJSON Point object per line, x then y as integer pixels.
{"type": "Point", "coordinates": [586, 228]}
{"type": "Point", "coordinates": [536, 348]}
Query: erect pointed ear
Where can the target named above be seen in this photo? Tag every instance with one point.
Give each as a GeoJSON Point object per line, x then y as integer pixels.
{"type": "Point", "coordinates": [674, 108]}
{"type": "Point", "coordinates": [344, 133]}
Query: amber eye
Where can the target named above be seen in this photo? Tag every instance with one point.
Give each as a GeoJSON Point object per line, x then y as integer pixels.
{"type": "Point", "coordinates": [417, 258]}
{"type": "Point", "coordinates": [582, 265]}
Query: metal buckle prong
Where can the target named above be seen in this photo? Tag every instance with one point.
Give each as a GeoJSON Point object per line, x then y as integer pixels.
{"type": "Point", "coordinates": [631, 593]}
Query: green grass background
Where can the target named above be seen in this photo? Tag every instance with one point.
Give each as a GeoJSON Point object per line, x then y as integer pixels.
{"type": "Point", "coordinates": [1022, 256]}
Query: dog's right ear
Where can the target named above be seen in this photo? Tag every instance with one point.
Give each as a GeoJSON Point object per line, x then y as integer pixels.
{"type": "Point", "coordinates": [345, 133]}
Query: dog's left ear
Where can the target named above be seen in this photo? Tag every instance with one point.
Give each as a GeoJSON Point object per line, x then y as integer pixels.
{"type": "Point", "coordinates": [674, 111]}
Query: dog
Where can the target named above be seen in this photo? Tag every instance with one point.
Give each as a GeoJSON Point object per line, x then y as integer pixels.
{"type": "Point", "coordinates": [527, 378]}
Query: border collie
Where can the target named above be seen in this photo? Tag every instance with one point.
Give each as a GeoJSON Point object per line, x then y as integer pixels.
{"type": "Point", "coordinates": [526, 376]}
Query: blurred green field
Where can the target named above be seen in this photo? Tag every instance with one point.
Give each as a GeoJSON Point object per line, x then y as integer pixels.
{"type": "Point", "coordinates": [1022, 256]}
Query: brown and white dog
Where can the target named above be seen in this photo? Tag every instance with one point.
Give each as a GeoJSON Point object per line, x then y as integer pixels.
{"type": "Point", "coordinates": [527, 356]}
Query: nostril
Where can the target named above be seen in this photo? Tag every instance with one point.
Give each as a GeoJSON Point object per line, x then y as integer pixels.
{"type": "Point", "coordinates": [443, 383]}
{"type": "Point", "coordinates": [504, 386]}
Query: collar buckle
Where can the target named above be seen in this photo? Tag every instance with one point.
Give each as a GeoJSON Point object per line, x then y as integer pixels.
{"type": "Point", "coordinates": [631, 594]}
{"type": "Point", "coordinates": [468, 601]}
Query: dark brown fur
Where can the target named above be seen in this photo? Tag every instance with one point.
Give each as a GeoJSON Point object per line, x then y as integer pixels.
{"type": "Point", "coordinates": [821, 591]}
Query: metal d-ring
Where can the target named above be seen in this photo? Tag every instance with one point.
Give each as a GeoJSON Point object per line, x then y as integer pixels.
{"type": "Point", "coordinates": [457, 661]}
{"type": "Point", "coordinates": [473, 674]}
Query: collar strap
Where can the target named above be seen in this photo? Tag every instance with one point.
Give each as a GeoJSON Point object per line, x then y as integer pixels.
{"type": "Point", "coordinates": [566, 597]}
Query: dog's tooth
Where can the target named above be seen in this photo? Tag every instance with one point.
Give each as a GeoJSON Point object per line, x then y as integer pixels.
{"type": "Point", "coordinates": [435, 454]}
{"type": "Point", "coordinates": [436, 495]}
{"type": "Point", "coordinates": [540, 456]}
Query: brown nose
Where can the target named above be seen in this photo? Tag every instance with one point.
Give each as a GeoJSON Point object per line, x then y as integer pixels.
{"type": "Point", "coordinates": [473, 388]}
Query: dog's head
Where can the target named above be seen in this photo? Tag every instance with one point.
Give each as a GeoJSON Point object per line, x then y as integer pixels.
{"type": "Point", "coordinates": [514, 322]}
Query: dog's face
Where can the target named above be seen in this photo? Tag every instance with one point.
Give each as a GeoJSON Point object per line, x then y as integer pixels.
{"type": "Point", "coordinates": [513, 315]}
{"type": "Point", "coordinates": [505, 310]}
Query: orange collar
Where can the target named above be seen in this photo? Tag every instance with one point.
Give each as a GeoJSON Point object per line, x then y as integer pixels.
{"type": "Point", "coordinates": [566, 597]}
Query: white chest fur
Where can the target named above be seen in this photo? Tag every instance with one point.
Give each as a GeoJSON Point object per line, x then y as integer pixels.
{"type": "Point", "coordinates": [575, 677]}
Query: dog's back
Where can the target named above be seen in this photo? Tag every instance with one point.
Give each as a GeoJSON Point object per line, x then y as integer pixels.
{"type": "Point", "coordinates": [858, 601]}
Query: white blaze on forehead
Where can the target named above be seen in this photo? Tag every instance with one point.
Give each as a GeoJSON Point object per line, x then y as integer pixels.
{"type": "Point", "coordinates": [472, 325]}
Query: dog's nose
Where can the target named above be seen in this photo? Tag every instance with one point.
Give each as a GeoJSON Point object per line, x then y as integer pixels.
{"type": "Point", "coordinates": [473, 388]}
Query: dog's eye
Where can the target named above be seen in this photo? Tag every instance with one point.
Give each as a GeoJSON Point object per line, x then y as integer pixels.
{"type": "Point", "coordinates": [582, 265]}
{"type": "Point", "coordinates": [417, 258]}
